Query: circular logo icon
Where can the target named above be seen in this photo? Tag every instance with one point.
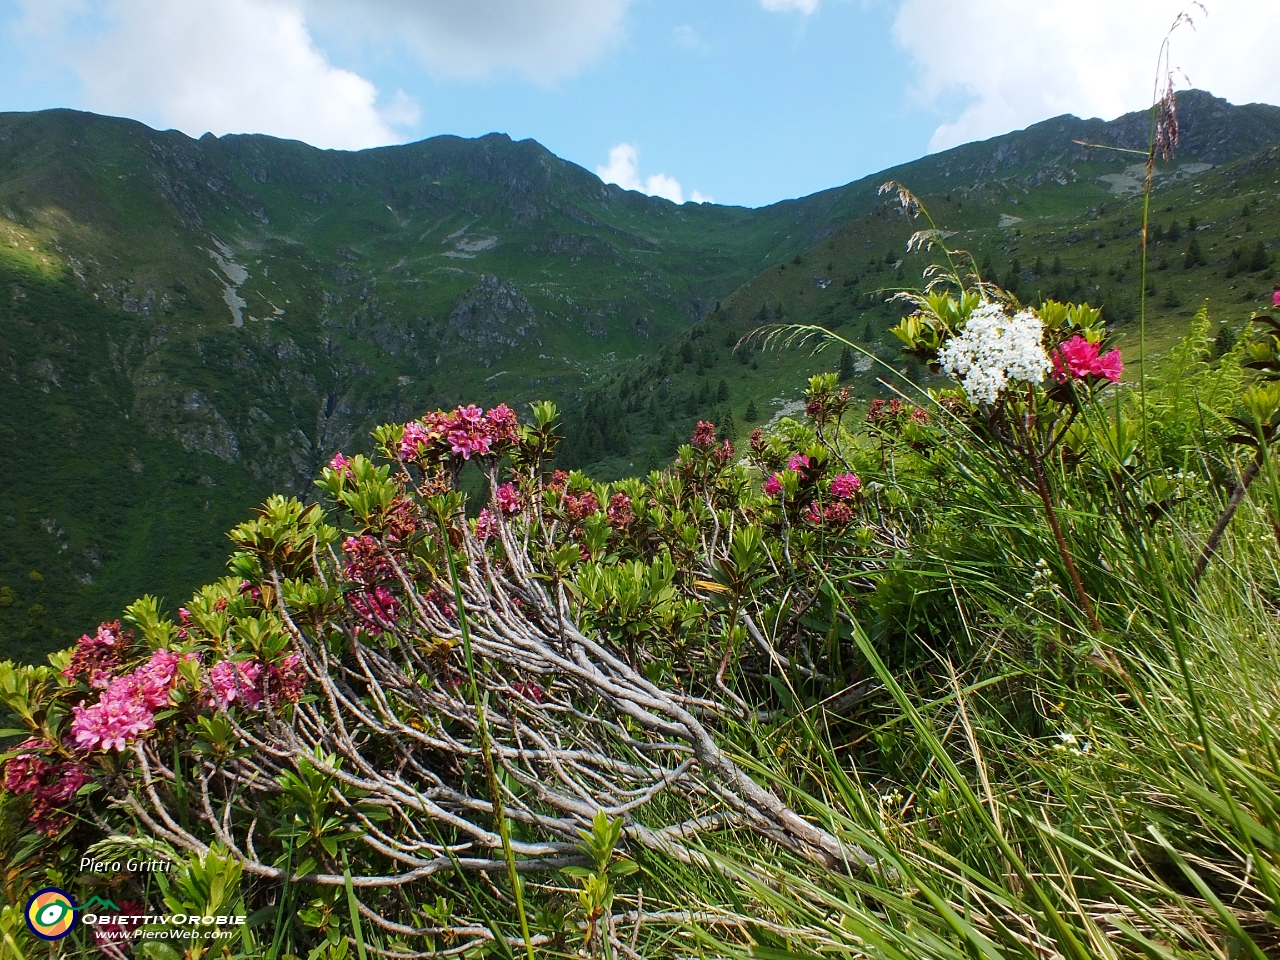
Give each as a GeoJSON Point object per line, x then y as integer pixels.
{"type": "Point", "coordinates": [51, 914]}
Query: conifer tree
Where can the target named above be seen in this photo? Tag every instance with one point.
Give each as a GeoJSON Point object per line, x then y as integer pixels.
{"type": "Point", "coordinates": [1014, 275]}
{"type": "Point", "coordinates": [1193, 257]}
{"type": "Point", "coordinates": [752, 414]}
{"type": "Point", "coordinates": [1260, 260]}
{"type": "Point", "coordinates": [846, 363]}
{"type": "Point", "coordinates": [726, 428]}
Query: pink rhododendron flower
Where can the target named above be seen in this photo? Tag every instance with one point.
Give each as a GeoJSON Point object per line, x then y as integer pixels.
{"type": "Point", "coordinates": [798, 462]}
{"type": "Point", "coordinates": [96, 657]}
{"type": "Point", "coordinates": [153, 681]}
{"type": "Point", "coordinates": [49, 783]}
{"type": "Point", "coordinates": [127, 707]}
{"type": "Point", "coordinates": [21, 772]}
{"type": "Point", "coordinates": [845, 485]}
{"type": "Point", "coordinates": [1074, 358]}
{"type": "Point", "coordinates": [285, 680]}
{"type": "Point", "coordinates": [366, 562]}
{"type": "Point", "coordinates": [340, 464]}
{"type": "Point", "coordinates": [377, 605]}
{"type": "Point", "coordinates": [773, 486]}
{"type": "Point", "coordinates": [508, 499]}
{"type": "Point", "coordinates": [813, 514]}
{"type": "Point", "coordinates": [1275, 299]}
{"type": "Point", "coordinates": [619, 512]}
{"type": "Point", "coordinates": [1109, 366]}
{"type": "Point", "coordinates": [465, 432]}
{"type": "Point", "coordinates": [1078, 358]}
{"type": "Point", "coordinates": [414, 440]}
{"type": "Point", "coordinates": [486, 525]}
{"type": "Point", "coordinates": [837, 514]}
{"type": "Point", "coordinates": [112, 723]}
{"type": "Point", "coordinates": [704, 437]}
{"type": "Point", "coordinates": [463, 443]}
{"type": "Point", "coordinates": [580, 506]}
{"type": "Point", "coordinates": [503, 424]}
{"type": "Point", "coordinates": [231, 681]}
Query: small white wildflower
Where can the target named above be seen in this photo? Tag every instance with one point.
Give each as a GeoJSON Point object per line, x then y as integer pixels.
{"type": "Point", "coordinates": [995, 348]}
{"type": "Point", "coordinates": [1041, 581]}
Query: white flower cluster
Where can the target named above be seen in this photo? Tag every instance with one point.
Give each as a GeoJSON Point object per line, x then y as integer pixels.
{"type": "Point", "coordinates": [1073, 745]}
{"type": "Point", "coordinates": [1041, 581]}
{"type": "Point", "coordinates": [994, 349]}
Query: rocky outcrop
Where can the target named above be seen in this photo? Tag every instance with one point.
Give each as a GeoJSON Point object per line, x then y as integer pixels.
{"type": "Point", "coordinates": [199, 426]}
{"type": "Point", "coordinates": [492, 313]}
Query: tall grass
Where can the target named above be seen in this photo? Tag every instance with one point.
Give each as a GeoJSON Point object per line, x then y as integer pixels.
{"type": "Point", "coordinates": [1055, 791]}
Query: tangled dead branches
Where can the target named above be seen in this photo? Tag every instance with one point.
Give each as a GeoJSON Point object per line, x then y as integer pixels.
{"type": "Point", "coordinates": [391, 732]}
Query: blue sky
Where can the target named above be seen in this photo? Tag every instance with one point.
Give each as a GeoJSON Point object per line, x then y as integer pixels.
{"type": "Point", "coordinates": [741, 101]}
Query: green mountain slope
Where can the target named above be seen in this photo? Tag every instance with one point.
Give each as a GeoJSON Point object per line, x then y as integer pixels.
{"type": "Point", "coordinates": [186, 324]}
{"type": "Point", "coordinates": [1061, 237]}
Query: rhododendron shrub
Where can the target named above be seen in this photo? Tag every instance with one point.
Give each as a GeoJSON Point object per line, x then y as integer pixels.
{"type": "Point", "coordinates": [331, 663]}
{"type": "Point", "coordinates": [110, 709]}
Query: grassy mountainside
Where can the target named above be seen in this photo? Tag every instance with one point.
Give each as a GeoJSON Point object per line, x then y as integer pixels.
{"type": "Point", "coordinates": [1215, 236]}
{"type": "Point", "coordinates": [185, 324]}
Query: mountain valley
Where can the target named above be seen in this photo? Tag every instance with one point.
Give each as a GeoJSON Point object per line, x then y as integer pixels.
{"type": "Point", "coordinates": [189, 325]}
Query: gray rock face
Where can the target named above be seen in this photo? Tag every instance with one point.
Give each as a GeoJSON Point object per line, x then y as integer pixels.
{"type": "Point", "coordinates": [492, 313]}
{"type": "Point", "coordinates": [201, 427]}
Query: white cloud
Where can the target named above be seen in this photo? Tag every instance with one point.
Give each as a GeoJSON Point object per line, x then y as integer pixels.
{"type": "Point", "coordinates": [541, 40]}
{"type": "Point", "coordinates": [805, 7]}
{"type": "Point", "coordinates": [1016, 62]}
{"type": "Point", "coordinates": [660, 185]}
{"type": "Point", "coordinates": [623, 169]}
{"type": "Point", "coordinates": [217, 65]}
